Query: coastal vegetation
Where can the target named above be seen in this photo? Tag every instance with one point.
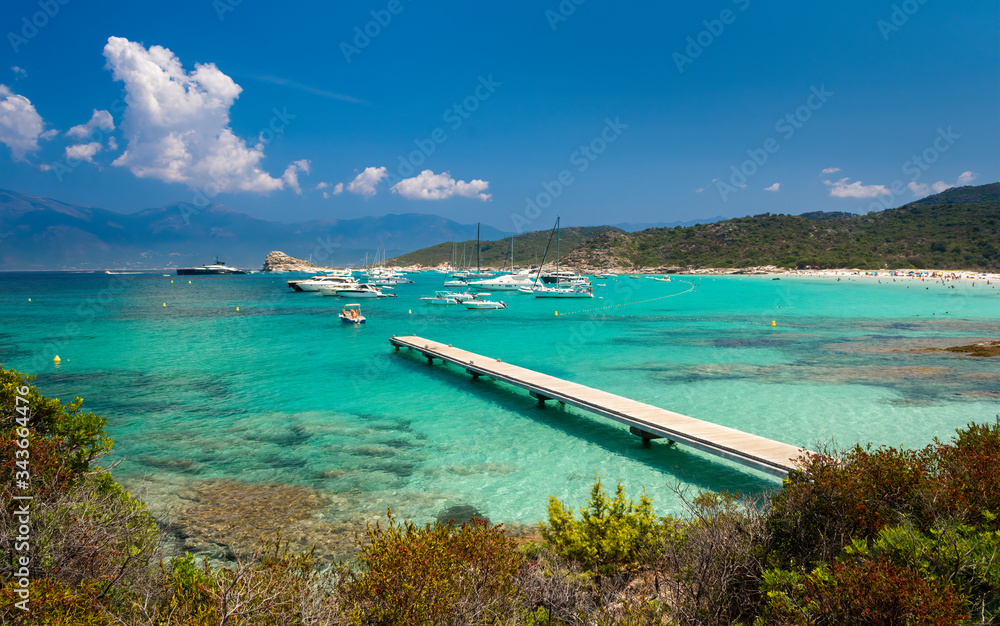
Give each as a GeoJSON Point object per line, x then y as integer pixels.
{"type": "Point", "coordinates": [862, 535]}
{"type": "Point", "coordinates": [955, 229]}
{"type": "Point", "coordinates": [529, 249]}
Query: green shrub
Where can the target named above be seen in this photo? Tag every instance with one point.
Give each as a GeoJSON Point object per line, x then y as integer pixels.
{"type": "Point", "coordinates": [959, 555]}
{"type": "Point", "coordinates": [438, 574]}
{"type": "Point", "coordinates": [54, 603]}
{"type": "Point", "coordinates": [858, 592]}
{"type": "Point", "coordinates": [611, 532]}
{"type": "Point", "coordinates": [830, 501]}
{"type": "Point", "coordinates": [969, 476]}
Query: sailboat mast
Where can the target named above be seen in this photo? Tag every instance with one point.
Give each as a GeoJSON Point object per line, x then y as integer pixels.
{"type": "Point", "coordinates": [478, 253]}
{"type": "Point", "coordinates": [557, 252]}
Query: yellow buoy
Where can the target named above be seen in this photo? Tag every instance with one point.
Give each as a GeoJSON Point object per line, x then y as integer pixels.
{"type": "Point", "coordinates": [171, 282]}
{"type": "Point", "coordinates": [409, 311]}
{"type": "Point", "coordinates": [57, 359]}
{"type": "Point", "coordinates": [164, 304]}
{"type": "Point", "coordinates": [557, 312]}
{"type": "Point", "coordinates": [189, 282]}
{"type": "Point", "coordinates": [774, 323]}
{"type": "Point", "coordinates": [29, 299]}
{"type": "Point", "coordinates": [237, 308]}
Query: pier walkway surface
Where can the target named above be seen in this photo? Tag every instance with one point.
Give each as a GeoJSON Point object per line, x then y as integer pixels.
{"type": "Point", "coordinates": [646, 421]}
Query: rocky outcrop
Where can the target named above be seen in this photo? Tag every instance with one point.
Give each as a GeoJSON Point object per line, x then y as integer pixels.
{"type": "Point", "coordinates": [280, 262]}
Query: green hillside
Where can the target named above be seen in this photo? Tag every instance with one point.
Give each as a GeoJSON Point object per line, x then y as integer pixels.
{"type": "Point", "coordinates": [528, 248]}
{"type": "Point", "coordinates": [955, 229]}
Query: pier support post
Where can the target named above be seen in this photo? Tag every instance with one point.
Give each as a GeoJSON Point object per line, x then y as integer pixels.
{"type": "Point", "coordinates": [647, 437]}
{"type": "Point", "coordinates": [475, 375]}
{"type": "Point", "coordinates": [430, 359]}
{"type": "Point", "coordinates": [540, 397]}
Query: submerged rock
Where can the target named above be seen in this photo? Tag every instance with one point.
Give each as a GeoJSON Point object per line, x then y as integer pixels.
{"type": "Point", "coordinates": [227, 519]}
{"type": "Point", "coordinates": [460, 514]}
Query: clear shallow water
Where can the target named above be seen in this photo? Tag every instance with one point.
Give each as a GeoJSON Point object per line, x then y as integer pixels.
{"type": "Point", "coordinates": [281, 391]}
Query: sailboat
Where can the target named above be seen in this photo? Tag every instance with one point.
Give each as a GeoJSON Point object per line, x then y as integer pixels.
{"type": "Point", "coordinates": [506, 282]}
{"type": "Point", "coordinates": [575, 290]}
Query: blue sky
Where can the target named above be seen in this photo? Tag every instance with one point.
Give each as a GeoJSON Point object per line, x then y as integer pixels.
{"type": "Point", "coordinates": [507, 113]}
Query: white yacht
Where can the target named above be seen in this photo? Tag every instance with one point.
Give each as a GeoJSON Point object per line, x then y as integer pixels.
{"type": "Point", "coordinates": [484, 304]}
{"type": "Point", "coordinates": [323, 280]}
{"type": "Point", "coordinates": [574, 291]}
{"type": "Point", "coordinates": [440, 297]}
{"type": "Point", "coordinates": [364, 290]}
{"type": "Point", "coordinates": [507, 282]}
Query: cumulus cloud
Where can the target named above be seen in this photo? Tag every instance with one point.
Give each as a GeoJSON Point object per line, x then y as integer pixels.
{"type": "Point", "coordinates": [176, 123]}
{"type": "Point", "coordinates": [843, 189]}
{"type": "Point", "coordinates": [322, 185]}
{"type": "Point", "coordinates": [364, 183]}
{"type": "Point", "coordinates": [830, 170]}
{"type": "Point", "coordinates": [20, 124]}
{"type": "Point", "coordinates": [921, 189]}
{"type": "Point", "coordinates": [774, 187]}
{"type": "Point", "coordinates": [99, 120]}
{"type": "Point", "coordinates": [338, 189]}
{"type": "Point", "coordinates": [83, 151]}
{"type": "Point", "coordinates": [291, 175]}
{"type": "Point", "coordinates": [965, 178]}
{"type": "Point", "coordinates": [430, 186]}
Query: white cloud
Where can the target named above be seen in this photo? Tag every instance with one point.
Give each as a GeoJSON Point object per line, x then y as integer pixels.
{"type": "Point", "coordinates": [965, 178]}
{"type": "Point", "coordinates": [920, 189]}
{"type": "Point", "coordinates": [322, 185]}
{"type": "Point", "coordinates": [774, 187]}
{"type": "Point", "coordinates": [364, 183]}
{"type": "Point", "coordinates": [430, 186]}
{"type": "Point", "coordinates": [843, 189]}
{"type": "Point", "coordinates": [176, 123]}
{"type": "Point", "coordinates": [830, 170]}
{"type": "Point", "coordinates": [20, 124]}
{"type": "Point", "coordinates": [699, 190]}
{"type": "Point", "coordinates": [338, 189]}
{"type": "Point", "coordinates": [100, 119]}
{"type": "Point", "coordinates": [291, 175]}
{"type": "Point", "coordinates": [20, 71]}
{"type": "Point", "coordinates": [83, 151]}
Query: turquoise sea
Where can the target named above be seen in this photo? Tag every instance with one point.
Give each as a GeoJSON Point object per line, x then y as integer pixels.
{"type": "Point", "coordinates": [280, 391]}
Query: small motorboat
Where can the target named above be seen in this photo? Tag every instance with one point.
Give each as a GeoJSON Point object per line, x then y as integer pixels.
{"type": "Point", "coordinates": [364, 290]}
{"type": "Point", "coordinates": [485, 304]}
{"type": "Point", "coordinates": [440, 297]}
{"type": "Point", "coordinates": [351, 314]}
{"type": "Point", "coordinates": [662, 279]}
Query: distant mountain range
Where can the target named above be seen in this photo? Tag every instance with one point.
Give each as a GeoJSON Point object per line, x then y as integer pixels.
{"type": "Point", "coordinates": [40, 233]}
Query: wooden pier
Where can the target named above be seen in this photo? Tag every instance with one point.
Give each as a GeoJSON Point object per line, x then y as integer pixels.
{"type": "Point", "coordinates": [644, 420]}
